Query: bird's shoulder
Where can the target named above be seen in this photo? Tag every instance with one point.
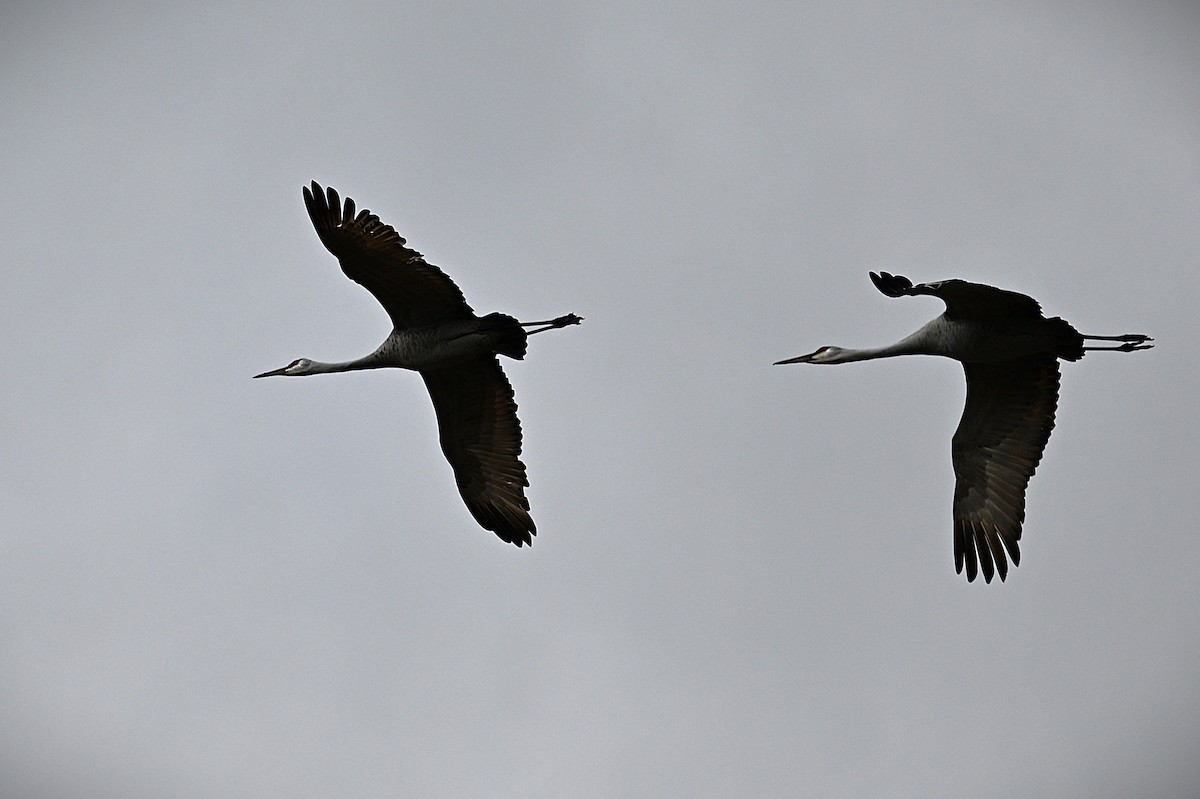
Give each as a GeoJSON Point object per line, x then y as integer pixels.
{"type": "Point", "coordinates": [963, 298]}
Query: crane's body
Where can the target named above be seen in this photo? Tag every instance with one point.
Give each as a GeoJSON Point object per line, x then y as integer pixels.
{"type": "Point", "coordinates": [437, 334]}
{"type": "Point", "coordinates": [429, 347]}
{"type": "Point", "coordinates": [1010, 354]}
{"type": "Point", "coordinates": [969, 341]}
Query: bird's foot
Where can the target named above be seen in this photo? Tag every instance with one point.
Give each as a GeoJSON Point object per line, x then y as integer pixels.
{"type": "Point", "coordinates": [1134, 341]}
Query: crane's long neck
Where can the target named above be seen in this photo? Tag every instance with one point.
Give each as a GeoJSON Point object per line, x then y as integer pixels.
{"type": "Point", "coordinates": [307, 366]}
{"type": "Point", "coordinates": [911, 345]}
{"type": "Point", "coordinates": [371, 361]}
{"type": "Point", "coordinates": [930, 339]}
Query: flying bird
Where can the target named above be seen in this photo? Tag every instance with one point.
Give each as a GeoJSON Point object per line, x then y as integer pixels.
{"type": "Point", "coordinates": [455, 351]}
{"type": "Point", "coordinates": [1010, 353]}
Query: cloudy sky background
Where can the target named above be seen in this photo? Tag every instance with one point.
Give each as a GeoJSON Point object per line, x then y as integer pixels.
{"type": "Point", "coordinates": [743, 583]}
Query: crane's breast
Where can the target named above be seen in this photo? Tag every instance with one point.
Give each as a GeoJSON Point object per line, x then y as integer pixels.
{"type": "Point", "coordinates": [454, 342]}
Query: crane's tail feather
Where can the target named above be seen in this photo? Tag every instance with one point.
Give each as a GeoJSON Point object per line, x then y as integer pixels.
{"type": "Point", "coordinates": [509, 337]}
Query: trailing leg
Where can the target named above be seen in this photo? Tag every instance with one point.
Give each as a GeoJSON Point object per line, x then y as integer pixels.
{"type": "Point", "coordinates": [1132, 341]}
{"type": "Point", "coordinates": [551, 324]}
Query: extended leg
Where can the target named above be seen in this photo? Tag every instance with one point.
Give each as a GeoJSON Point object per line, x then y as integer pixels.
{"type": "Point", "coordinates": [1132, 341]}
{"type": "Point", "coordinates": [551, 324]}
{"type": "Point", "coordinates": [1138, 337]}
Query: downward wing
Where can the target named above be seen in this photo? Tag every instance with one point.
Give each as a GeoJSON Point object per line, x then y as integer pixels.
{"type": "Point", "coordinates": [372, 254]}
{"type": "Point", "coordinates": [999, 442]}
{"type": "Point", "coordinates": [963, 300]}
{"type": "Point", "coordinates": [481, 437]}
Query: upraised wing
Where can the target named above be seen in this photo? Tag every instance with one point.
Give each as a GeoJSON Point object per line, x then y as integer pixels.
{"type": "Point", "coordinates": [481, 437]}
{"type": "Point", "coordinates": [1005, 425]}
{"type": "Point", "coordinates": [963, 300]}
{"type": "Point", "coordinates": [372, 254]}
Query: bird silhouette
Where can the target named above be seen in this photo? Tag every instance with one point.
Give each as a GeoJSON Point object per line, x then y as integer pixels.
{"type": "Point", "coordinates": [1009, 352]}
{"type": "Point", "coordinates": [436, 333]}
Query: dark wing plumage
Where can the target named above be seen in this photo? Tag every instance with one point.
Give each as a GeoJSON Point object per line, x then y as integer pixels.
{"type": "Point", "coordinates": [1005, 425]}
{"type": "Point", "coordinates": [372, 254]}
{"type": "Point", "coordinates": [481, 437]}
{"type": "Point", "coordinates": [963, 300]}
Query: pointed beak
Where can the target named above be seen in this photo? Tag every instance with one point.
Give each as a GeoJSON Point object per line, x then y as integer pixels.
{"type": "Point", "coordinates": [797, 359]}
{"type": "Point", "coordinates": [272, 373]}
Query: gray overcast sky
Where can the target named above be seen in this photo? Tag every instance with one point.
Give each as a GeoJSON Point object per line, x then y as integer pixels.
{"type": "Point", "coordinates": [743, 583]}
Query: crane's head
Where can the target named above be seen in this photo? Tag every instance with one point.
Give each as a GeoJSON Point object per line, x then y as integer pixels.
{"type": "Point", "coordinates": [823, 355]}
{"type": "Point", "coordinates": [300, 366]}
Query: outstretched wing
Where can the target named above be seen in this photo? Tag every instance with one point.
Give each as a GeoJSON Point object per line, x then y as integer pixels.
{"type": "Point", "coordinates": [481, 437]}
{"type": "Point", "coordinates": [999, 442]}
{"type": "Point", "coordinates": [372, 254]}
{"type": "Point", "coordinates": [963, 300]}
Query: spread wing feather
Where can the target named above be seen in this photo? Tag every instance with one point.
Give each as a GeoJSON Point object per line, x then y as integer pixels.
{"type": "Point", "coordinates": [372, 254]}
{"type": "Point", "coordinates": [1005, 425]}
{"type": "Point", "coordinates": [481, 438]}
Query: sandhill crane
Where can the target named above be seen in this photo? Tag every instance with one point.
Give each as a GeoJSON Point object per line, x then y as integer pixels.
{"type": "Point", "coordinates": [438, 335]}
{"type": "Point", "coordinates": [1010, 354]}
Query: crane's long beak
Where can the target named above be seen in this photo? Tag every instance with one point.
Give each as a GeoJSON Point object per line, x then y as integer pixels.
{"type": "Point", "coordinates": [797, 359]}
{"type": "Point", "coordinates": [273, 372]}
